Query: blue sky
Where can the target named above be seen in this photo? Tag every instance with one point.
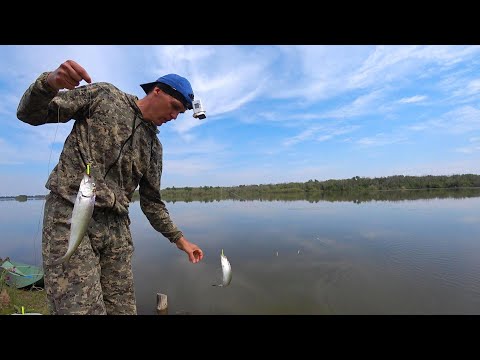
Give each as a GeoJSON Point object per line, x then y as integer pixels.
{"type": "Point", "coordinates": [275, 113]}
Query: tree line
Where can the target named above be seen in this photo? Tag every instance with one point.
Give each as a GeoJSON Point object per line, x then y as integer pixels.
{"type": "Point", "coordinates": [347, 189]}
{"type": "Point", "coordinates": [354, 189]}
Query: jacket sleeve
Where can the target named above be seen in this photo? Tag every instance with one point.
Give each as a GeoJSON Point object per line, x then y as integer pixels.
{"type": "Point", "coordinates": [41, 104]}
{"type": "Point", "coordinates": [151, 202]}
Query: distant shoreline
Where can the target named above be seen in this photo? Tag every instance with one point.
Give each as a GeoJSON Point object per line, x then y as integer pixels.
{"type": "Point", "coordinates": [353, 185]}
{"type": "Point", "coordinates": [23, 197]}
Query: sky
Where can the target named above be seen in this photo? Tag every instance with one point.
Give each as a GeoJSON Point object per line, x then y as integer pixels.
{"type": "Point", "coordinates": [275, 113]}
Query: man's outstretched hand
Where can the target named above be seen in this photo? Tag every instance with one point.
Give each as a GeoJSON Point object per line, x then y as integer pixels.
{"type": "Point", "coordinates": [195, 254]}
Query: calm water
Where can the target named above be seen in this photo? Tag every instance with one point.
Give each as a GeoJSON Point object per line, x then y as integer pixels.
{"type": "Point", "coordinates": [297, 257]}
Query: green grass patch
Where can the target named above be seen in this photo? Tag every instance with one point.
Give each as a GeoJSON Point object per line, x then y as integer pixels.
{"type": "Point", "coordinates": [33, 299]}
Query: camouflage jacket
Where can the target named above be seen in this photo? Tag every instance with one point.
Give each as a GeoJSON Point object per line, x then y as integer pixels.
{"type": "Point", "coordinates": [110, 134]}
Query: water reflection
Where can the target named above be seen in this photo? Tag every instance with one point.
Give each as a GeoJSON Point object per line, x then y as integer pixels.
{"type": "Point", "coordinates": [353, 196]}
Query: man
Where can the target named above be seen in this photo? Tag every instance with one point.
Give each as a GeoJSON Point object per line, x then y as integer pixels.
{"type": "Point", "coordinates": [116, 135]}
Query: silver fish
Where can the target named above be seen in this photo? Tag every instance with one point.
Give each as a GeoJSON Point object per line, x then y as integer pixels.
{"type": "Point", "coordinates": [226, 270]}
{"type": "Point", "coordinates": [81, 215]}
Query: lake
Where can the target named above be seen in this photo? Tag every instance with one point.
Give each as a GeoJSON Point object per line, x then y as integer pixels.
{"type": "Point", "coordinates": [296, 257]}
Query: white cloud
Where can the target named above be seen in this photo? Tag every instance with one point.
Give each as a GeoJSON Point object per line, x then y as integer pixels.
{"type": "Point", "coordinates": [412, 99]}
{"type": "Point", "coordinates": [362, 105]}
{"type": "Point", "coordinates": [390, 63]}
{"type": "Point", "coordinates": [473, 86]}
{"type": "Point", "coordinates": [474, 146]}
{"type": "Point", "coordinates": [315, 72]}
{"type": "Point", "coordinates": [320, 133]}
{"type": "Point", "coordinates": [304, 135]}
{"type": "Point", "coordinates": [381, 140]}
{"type": "Point", "coordinates": [225, 78]}
{"type": "Point", "coordinates": [384, 62]}
{"type": "Point", "coordinates": [460, 120]}
{"type": "Point", "coordinates": [468, 150]}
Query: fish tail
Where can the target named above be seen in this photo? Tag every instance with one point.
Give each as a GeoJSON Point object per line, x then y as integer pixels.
{"type": "Point", "coordinates": [63, 260]}
{"type": "Point", "coordinates": [58, 261]}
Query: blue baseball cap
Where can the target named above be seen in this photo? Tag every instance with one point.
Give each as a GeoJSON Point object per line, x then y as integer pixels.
{"type": "Point", "coordinates": [177, 86]}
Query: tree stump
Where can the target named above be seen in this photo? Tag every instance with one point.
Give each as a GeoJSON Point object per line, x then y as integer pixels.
{"type": "Point", "coordinates": [162, 304]}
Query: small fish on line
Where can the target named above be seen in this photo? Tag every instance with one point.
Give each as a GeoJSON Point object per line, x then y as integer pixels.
{"type": "Point", "coordinates": [81, 215]}
{"type": "Point", "coordinates": [226, 271]}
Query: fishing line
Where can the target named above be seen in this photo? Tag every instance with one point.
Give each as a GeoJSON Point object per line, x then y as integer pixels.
{"type": "Point", "coordinates": [35, 260]}
{"type": "Point", "coordinates": [42, 210]}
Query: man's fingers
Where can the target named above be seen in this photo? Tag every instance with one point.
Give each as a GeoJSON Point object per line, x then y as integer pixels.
{"type": "Point", "coordinates": [70, 82]}
{"type": "Point", "coordinates": [70, 73]}
{"type": "Point", "coordinates": [79, 71]}
{"type": "Point", "coordinates": [197, 255]}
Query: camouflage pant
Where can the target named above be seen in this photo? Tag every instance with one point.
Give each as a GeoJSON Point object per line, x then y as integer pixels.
{"type": "Point", "coordinates": [98, 278]}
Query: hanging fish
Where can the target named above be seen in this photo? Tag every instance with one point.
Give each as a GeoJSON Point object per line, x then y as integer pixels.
{"type": "Point", "coordinates": [226, 271]}
{"type": "Point", "coordinates": [81, 215]}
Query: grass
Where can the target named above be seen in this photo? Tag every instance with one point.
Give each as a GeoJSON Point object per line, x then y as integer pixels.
{"type": "Point", "coordinates": [33, 299]}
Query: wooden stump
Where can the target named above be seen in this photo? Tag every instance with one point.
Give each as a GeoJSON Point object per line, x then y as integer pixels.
{"type": "Point", "coordinates": [162, 304]}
